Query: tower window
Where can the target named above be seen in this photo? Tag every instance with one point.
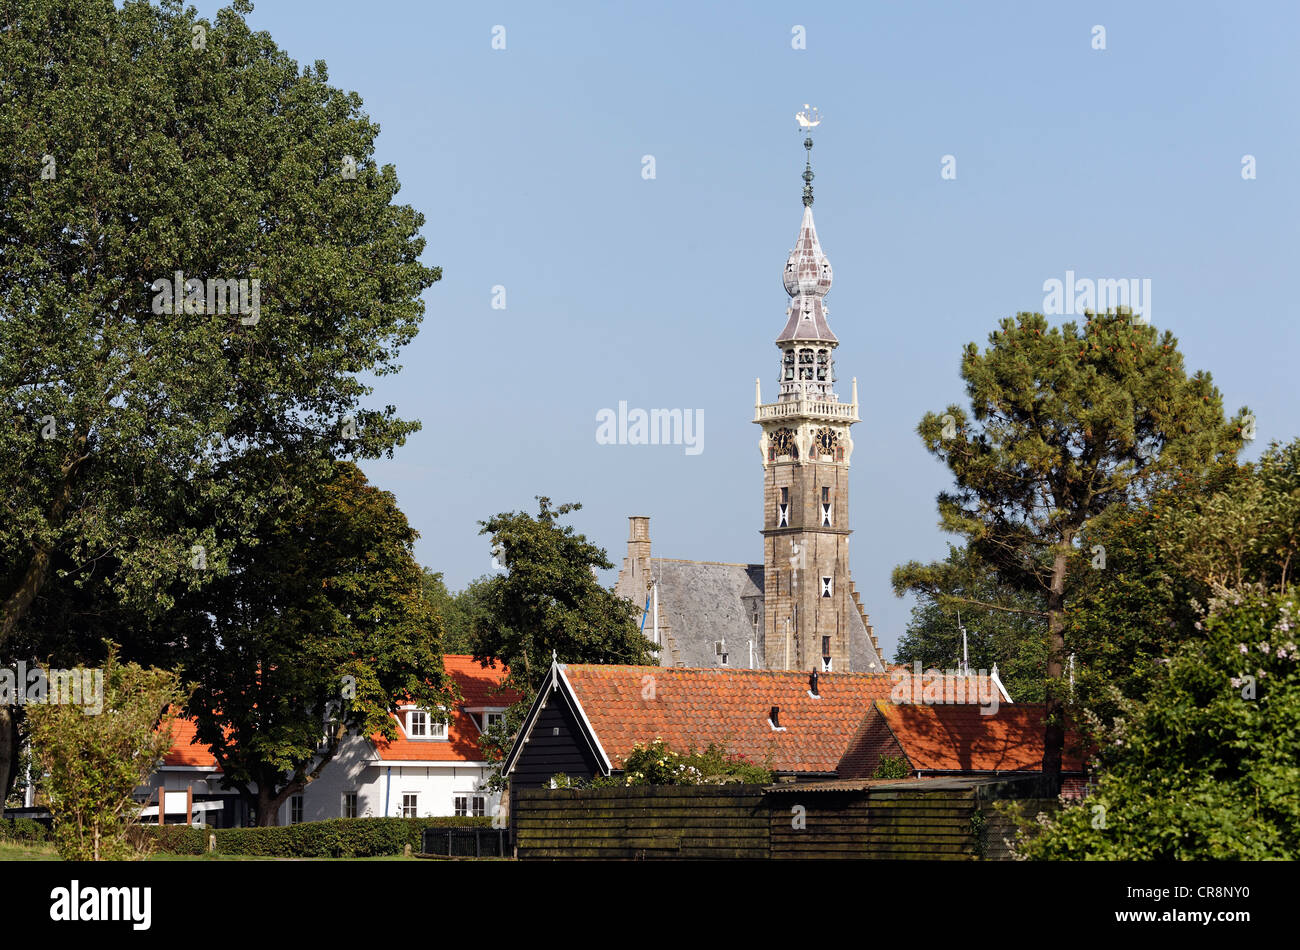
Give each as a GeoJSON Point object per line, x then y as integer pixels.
{"type": "Point", "coordinates": [826, 586]}
{"type": "Point", "coordinates": [826, 507]}
{"type": "Point", "coordinates": [826, 646]}
{"type": "Point", "coordinates": [783, 509]}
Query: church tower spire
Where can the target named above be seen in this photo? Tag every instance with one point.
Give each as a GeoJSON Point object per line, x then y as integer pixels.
{"type": "Point", "coordinates": [809, 613]}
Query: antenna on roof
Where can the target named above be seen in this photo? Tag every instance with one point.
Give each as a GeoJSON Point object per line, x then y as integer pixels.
{"type": "Point", "coordinates": [965, 657]}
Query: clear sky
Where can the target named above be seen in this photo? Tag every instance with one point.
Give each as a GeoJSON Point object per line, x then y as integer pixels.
{"type": "Point", "coordinates": [666, 292]}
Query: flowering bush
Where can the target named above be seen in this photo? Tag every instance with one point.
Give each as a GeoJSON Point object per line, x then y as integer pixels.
{"type": "Point", "coordinates": [1207, 765]}
{"type": "Point", "coordinates": [654, 763]}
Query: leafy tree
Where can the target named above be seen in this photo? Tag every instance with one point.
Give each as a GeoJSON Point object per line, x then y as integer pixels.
{"type": "Point", "coordinates": [550, 601]}
{"type": "Point", "coordinates": [139, 141]}
{"type": "Point", "coordinates": [1166, 556]}
{"type": "Point", "coordinates": [95, 760]}
{"type": "Point", "coordinates": [1013, 639]}
{"type": "Point", "coordinates": [459, 612]}
{"type": "Point", "coordinates": [1208, 767]}
{"type": "Point", "coordinates": [311, 635]}
{"type": "Point", "coordinates": [1065, 422]}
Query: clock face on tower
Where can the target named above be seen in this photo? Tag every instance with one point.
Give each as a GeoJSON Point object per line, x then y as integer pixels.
{"type": "Point", "coordinates": [783, 442]}
{"type": "Point", "coordinates": [827, 440]}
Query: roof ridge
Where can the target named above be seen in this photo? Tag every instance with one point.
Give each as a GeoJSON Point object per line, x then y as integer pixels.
{"type": "Point", "coordinates": [686, 560]}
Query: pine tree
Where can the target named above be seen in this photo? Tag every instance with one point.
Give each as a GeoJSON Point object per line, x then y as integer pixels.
{"type": "Point", "coordinates": [1064, 422]}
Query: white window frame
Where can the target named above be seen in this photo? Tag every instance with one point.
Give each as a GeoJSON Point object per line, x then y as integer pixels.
{"type": "Point", "coordinates": [297, 800]}
{"type": "Point", "coordinates": [434, 730]}
{"type": "Point", "coordinates": [487, 718]}
{"type": "Point", "coordinates": [415, 807]}
{"type": "Point", "coordinates": [343, 805]}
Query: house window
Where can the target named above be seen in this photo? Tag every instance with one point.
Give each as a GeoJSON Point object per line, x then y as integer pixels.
{"type": "Point", "coordinates": [420, 725]}
{"type": "Point", "coordinates": [826, 586]}
{"type": "Point", "coordinates": [494, 719]}
{"type": "Point", "coordinates": [462, 805]}
{"type": "Point", "coordinates": [349, 809]}
{"type": "Point", "coordinates": [295, 810]}
{"type": "Point", "coordinates": [410, 805]}
{"type": "Point", "coordinates": [475, 805]}
{"type": "Point", "coordinates": [480, 806]}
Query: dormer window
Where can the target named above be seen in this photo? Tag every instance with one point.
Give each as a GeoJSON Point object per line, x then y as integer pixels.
{"type": "Point", "coordinates": [420, 725]}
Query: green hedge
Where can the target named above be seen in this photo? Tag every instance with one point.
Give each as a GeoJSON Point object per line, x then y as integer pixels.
{"type": "Point", "coordinates": [335, 838]}
{"type": "Point", "coordinates": [22, 829]}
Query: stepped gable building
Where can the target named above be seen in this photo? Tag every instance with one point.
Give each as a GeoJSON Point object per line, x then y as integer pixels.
{"type": "Point", "coordinates": [799, 609]}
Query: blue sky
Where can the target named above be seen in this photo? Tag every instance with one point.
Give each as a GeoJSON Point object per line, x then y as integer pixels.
{"type": "Point", "coordinates": [527, 162]}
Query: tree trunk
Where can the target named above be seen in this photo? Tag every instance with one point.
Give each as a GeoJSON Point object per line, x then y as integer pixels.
{"type": "Point", "coordinates": [1054, 722]}
{"type": "Point", "coordinates": [8, 752]}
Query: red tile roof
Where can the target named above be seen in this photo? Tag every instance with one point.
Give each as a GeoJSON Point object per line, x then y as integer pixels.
{"type": "Point", "coordinates": [479, 686]}
{"type": "Point", "coordinates": [952, 738]}
{"type": "Point", "coordinates": [184, 751]}
{"type": "Point", "coordinates": [691, 708]}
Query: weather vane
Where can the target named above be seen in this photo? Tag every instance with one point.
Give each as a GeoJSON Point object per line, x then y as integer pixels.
{"type": "Point", "coordinates": [808, 118]}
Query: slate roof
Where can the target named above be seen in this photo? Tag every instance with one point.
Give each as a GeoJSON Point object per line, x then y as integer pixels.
{"type": "Point", "coordinates": [706, 601]}
{"type": "Point", "coordinates": [691, 708]}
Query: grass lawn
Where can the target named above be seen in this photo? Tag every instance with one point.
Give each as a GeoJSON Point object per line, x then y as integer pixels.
{"type": "Point", "coordinates": [15, 851]}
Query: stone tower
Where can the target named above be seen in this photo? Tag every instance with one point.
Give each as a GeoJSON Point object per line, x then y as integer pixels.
{"type": "Point", "coordinates": [806, 448]}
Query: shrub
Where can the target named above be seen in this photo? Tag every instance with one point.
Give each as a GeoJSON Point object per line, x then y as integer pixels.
{"type": "Point", "coordinates": [335, 838]}
{"type": "Point", "coordinates": [23, 829]}
{"type": "Point", "coordinates": [892, 766]}
{"type": "Point", "coordinates": [654, 763]}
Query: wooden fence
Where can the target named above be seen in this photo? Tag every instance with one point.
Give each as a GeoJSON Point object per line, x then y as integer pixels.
{"type": "Point", "coordinates": [934, 819]}
{"type": "Point", "coordinates": [642, 822]}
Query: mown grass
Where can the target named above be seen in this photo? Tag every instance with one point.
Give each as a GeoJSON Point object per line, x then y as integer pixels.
{"type": "Point", "coordinates": [14, 851]}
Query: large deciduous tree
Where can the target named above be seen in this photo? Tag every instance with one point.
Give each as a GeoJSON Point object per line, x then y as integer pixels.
{"type": "Point", "coordinates": [549, 600]}
{"type": "Point", "coordinates": [312, 635]}
{"type": "Point", "coordinates": [139, 143]}
{"type": "Point", "coordinates": [1064, 422]}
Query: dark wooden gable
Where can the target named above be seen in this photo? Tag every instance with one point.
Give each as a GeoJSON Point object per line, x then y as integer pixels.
{"type": "Point", "coordinates": [557, 741]}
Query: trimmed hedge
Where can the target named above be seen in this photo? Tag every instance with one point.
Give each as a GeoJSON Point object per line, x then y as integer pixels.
{"type": "Point", "coordinates": [23, 829]}
{"type": "Point", "coordinates": [335, 838]}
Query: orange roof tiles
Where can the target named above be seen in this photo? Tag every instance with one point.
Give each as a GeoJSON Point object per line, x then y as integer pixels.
{"type": "Point", "coordinates": [953, 738]}
{"type": "Point", "coordinates": [691, 708]}
{"type": "Point", "coordinates": [479, 686]}
{"type": "Point", "coordinates": [184, 750]}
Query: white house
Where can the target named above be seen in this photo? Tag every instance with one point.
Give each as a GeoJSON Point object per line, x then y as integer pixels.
{"type": "Point", "coordinates": [430, 769]}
